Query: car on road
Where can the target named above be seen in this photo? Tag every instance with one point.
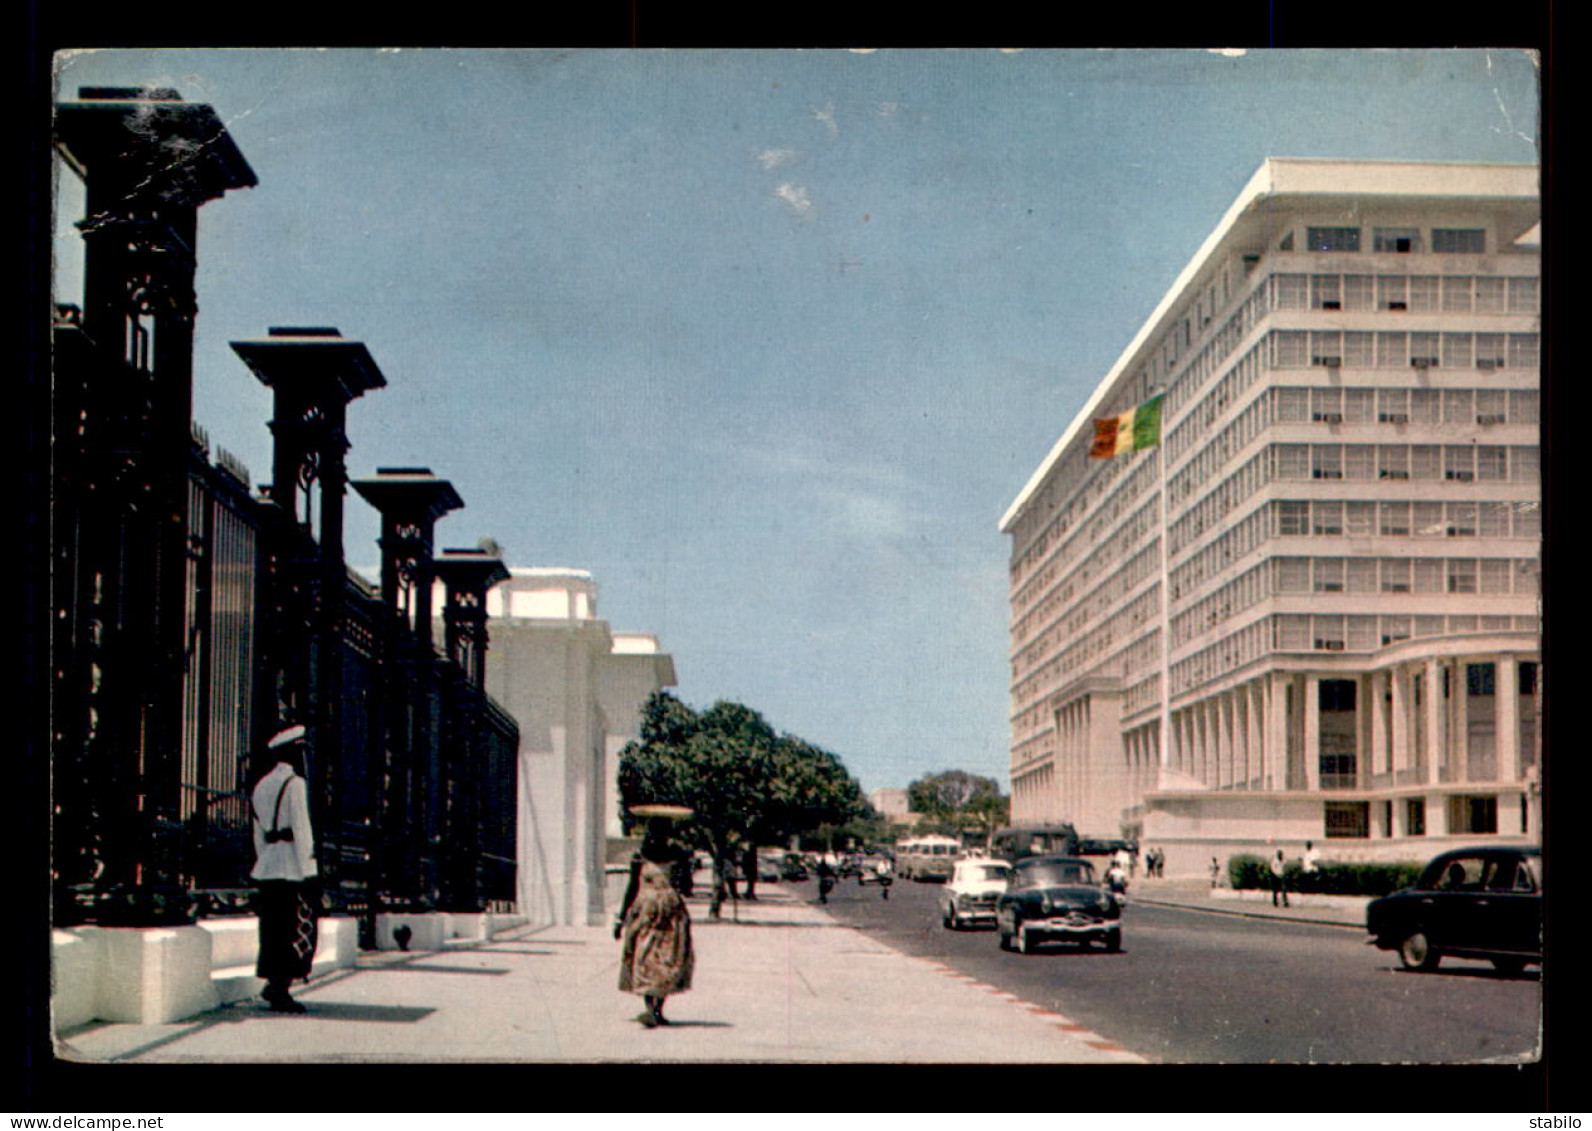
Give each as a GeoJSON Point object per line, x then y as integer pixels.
{"type": "Point", "coordinates": [1057, 897]}
{"type": "Point", "coordinates": [1483, 902]}
{"type": "Point", "coordinates": [969, 896]}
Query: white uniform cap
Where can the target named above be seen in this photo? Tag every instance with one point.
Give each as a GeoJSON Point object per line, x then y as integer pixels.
{"type": "Point", "coordinates": [285, 737]}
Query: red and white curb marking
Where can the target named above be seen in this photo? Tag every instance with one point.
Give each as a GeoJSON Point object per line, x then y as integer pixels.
{"type": "Point", "coordinates": [1060, 1021]}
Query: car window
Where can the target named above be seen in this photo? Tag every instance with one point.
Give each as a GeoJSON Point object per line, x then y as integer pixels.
{"type": "Point", "coordinates": [1463, 873]}
{"type": "Point", "coordinates": [1041, 875]}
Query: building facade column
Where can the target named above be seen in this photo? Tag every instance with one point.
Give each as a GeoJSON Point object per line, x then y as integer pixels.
{"type": "Point", "coordinates": [1398, 754]}
{"type": "Point", "coordinates": [1434, 718]}
{"type": "Point", "coordinates": [1276, 744]}
{"type": "Point", "coordinates": [1379, 746]}
{"type": "Point", "coordinates": [1506, 717]}
{"type": "Point", "coordinates": [1312, 744]}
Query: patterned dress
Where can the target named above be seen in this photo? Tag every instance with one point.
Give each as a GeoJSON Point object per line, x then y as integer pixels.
{"type": "Point", "coordinates": [656, 958]}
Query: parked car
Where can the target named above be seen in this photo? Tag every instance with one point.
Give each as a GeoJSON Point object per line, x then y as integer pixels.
{"type": "Point", "coordinates": [1057, 897]}
{"type": "Point", "coordinates": [1469, 903]}
{"type": "Point", "coordinates": [792, 869]}
{"type": "Point", "coordinates": [969, 896]}
{"type": "Point", "coordinates": [770, 867]}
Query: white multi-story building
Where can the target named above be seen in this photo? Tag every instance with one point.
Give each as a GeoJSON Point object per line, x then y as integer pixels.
{"type": "Point", "coordinates": [577, 689]}
{"type": "Point", "coordinates": [1312, 612]}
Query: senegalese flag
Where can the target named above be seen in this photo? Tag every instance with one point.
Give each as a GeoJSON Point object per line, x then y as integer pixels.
{"type": "Point", "coordinates": [1131, 431]}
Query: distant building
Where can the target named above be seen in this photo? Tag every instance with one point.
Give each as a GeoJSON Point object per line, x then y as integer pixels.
{"type": "Point", "coordinates": [892, 805]}
{"type": "Point", "coordinates": [577, 689]}
{"type": "Point", "coordinates": [1312, 612]}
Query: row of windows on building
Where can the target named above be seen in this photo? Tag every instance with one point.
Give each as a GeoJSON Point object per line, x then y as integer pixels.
{"type": "Point", "coordinates": [1392, 240]}
{"type": "Point", "coordinates": [1462, 463]}
{"type": "Point", "coordinates": [1356, 519]}
{"type": "Point", "coordinates": [1348, 463]}
{"type": "Point", "coordinates": [1402, 349]}
{"type": "Point", "coordinates": [1340, 405]}
{"type": "Point", "coordinates": [1048, 600]}
{"type": "Point", "coordinates": [1450, 294]}
{"type": "Point", "coordinates": [1467, 409]}
{"type": "Point", "coordinates": [1330, 632]}
{"type": "Point", "coordinates": [1178, 360]}
{"type": "Point", "coordinates": [1468, 815]}
{"type": "Point", "coordinates": [1138, 662]}
{"type": "Point", "coordinates": [1289, 576]}
{"type": "Point", "coordinates": [1348, 405]}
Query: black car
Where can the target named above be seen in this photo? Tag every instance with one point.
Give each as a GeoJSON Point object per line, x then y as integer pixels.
{"type": "Point", "coordinates": [1057, 897]}
{"type": "Point", "coordinates": [1469, 903]}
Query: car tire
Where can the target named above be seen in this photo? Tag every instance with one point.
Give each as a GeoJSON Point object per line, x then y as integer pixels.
{"type": "Point", "coordinates": [1510, 966]}
{"type": "Point", "coordinates": [948, 919]}
{"type": "Point", "coordinates": [1024, 946]}
{"type": "Point", "coordinates": [1113, 941]}
{"type": "Point", "coordinates": [1005, 939]}
{"type": "Point", "coordinates": [1416, 952]}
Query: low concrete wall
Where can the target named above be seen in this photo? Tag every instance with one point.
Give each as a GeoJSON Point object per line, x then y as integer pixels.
{"type": "Point", "coordinates": [434, 930]}
{"type": "Point", "coordinates": [154, 975]}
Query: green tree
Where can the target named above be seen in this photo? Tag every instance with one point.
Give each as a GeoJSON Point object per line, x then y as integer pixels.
{"type": "Point", "coordinates": [747, 784]}
{"type": "Point", "coordinates": [957, 802]}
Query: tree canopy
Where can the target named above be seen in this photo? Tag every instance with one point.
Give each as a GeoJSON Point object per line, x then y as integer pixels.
{"type": "Point", "coordinates": [747, 783]}
{"type": "Point", "coordinates": [956, 801]}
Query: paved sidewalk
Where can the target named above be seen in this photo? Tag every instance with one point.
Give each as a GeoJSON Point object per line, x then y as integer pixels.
{"type": "Point", "coordinates": [784, 984]}
{"type": "Point", "coordinates": [1197, 893]}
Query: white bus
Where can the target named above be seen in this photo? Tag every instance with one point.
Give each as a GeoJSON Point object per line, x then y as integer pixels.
{"type": "Point", "coordinates": [927, 857]}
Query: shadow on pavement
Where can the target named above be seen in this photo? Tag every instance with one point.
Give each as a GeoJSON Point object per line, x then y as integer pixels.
{"type": "Point", "coordinates": [355, 1011]}
{"type": "Point", "coordinates": [426, 968]}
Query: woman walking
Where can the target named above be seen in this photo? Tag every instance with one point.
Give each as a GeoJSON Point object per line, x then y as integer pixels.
{"type": "Point", "coordinates": [656, 956]}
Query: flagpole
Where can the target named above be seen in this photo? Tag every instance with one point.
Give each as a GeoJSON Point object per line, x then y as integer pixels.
{"type": "Point", "coordinates": [1164, 746]}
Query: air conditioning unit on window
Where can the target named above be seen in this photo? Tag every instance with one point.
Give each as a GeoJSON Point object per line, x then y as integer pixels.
{"type": "Point", "coordinates": [1329, 417]}
{"type": "Point", "coordinates": [1490, 418]}
{"type": "Point", "coordinates": [1396, 587]}
{"type": "Point", "coordinates": [1461, 476]}
{"type": "Point", "coordinates": [1330, 360]}
{"type": "Point", "coordinates": [1397, 306]}
{"type": "Point", "coordinates": [1330, 587]}
{"type": "Point", "coordinates": [1394, 417]}
{"type": "Point", "coordinates": [1423, 362]}
{"type": "Point", "coordinates": [1329, 645]}
{"type": "Point", "coordinates": [1488, 363]}
{"type": "Point", "coordinates": [1331, 304]}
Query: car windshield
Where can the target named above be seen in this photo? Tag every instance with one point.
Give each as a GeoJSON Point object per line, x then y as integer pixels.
{"type": "Point", "coordinates": [1055, 872]}
{"type": "Point", "coordinates": [977, 872]}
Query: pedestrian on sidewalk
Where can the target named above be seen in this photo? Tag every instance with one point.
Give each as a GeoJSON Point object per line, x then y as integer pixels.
{"type": "Point", "coordinates": [1279, 879]}
{"type": "Point", "coordinates": [1310, 868]}
{"type": "Point", "coordinates": [1216, 873]}
{"type": "Point", "coordinates": [284, 869]}
{"type": "Point", "coordinates": [656, 955]}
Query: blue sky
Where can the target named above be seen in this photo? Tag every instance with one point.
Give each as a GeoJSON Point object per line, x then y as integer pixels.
{"type": "Point", "coordinates": [766, 340]}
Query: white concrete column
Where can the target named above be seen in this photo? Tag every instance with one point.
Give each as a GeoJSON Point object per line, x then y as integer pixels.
{"type": "Point", "coordinates": [1276, 754]}
{"type": "Point", "coordinates": [1435, 730]}
{"type": "Point", "coordinates": [1377, 681]}
{"type": "Point", "coordinates": [1506, 717]}
{"type": "Point", "coordinates": [1253, 743]}
{"type": "Point", "coordinates": [1227, 709]}
{"type": "Point", "coordinates": [1398, 756]}
{"type": "Point", "coordinates": [1312, 743]}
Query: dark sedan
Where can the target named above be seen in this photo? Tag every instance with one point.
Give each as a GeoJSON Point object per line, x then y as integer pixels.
{"type": "Point", "coordinates": [1469, 903]}
{"type": "Point", "coordinates": [1056, 897]}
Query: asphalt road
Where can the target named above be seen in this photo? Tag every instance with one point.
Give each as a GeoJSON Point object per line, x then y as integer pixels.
{"type": "Point", "coordinates": [1195, 987]}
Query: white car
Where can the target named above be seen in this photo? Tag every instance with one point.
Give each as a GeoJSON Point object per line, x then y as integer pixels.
{"type": "Point", "coordinates": [969, 895]}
